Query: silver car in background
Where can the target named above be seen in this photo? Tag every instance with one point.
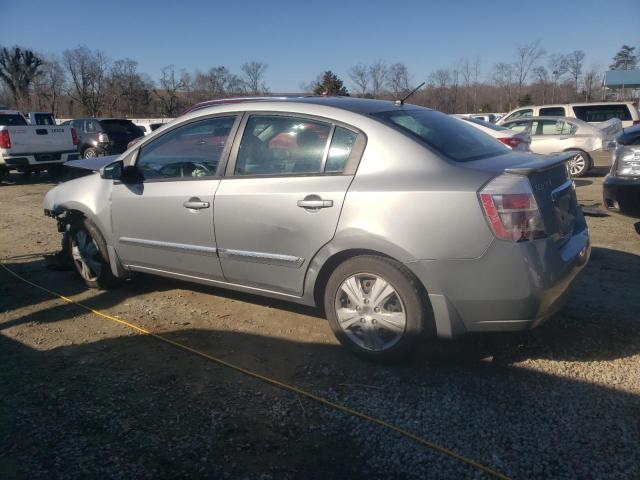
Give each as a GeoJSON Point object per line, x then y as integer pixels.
{"type": "Point", "coordinates": [520, 141]}
{"type": "Point", "coordinates": [401, 222]}
{"type": "Point", "coordinates": [592, 144]}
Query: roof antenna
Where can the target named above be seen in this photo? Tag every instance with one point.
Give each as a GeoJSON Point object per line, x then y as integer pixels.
{"type": "Point", "coordinates": [400, 103]}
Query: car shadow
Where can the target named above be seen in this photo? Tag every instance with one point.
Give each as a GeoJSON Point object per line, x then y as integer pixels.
{"type": "Point", "coordinates": [134, 407]}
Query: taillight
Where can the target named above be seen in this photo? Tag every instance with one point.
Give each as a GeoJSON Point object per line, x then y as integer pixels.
{"type": "Point", "coordinates": [103, 137]}
{"type": "Point", "coordinates": [512, 142]}
{"type": "Point", "coordinates": [636, 122]}
{"type": "Point", "coordinates": [511, 209]}
{"type": "Point", "coordinates": [74, 136]}
{"type": "Point", "coordinates": [5, 139]}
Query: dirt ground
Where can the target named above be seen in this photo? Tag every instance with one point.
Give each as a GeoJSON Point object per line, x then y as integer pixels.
{"type": "Point", "coordinates": [83, 397]}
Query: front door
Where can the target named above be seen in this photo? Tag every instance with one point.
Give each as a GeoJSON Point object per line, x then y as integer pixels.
{"type": "Point", "coordinates": [165, 223]}
{"type": "Point", "coordinates": [281, 199]}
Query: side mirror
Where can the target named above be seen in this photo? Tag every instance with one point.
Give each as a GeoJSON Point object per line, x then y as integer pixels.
{"type": "Point", "coordinates": [113, 171]}
{"type": "Point", "coordinates": [131, 175]}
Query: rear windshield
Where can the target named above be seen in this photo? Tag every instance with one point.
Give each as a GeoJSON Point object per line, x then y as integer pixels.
{"type": "Point", "coordinates": [122, 127]}
{"type": "Point", "coordinates": [602, 113]}
{"type": "Point", "coordinates": [455, 139]}
{"type": "Point", "coordinates": [12, 120]}
{"type": "Point", "coordinates": [492, 126]}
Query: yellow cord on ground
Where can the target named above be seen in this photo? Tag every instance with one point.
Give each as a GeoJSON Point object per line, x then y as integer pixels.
{"type": "Point", "coordinates": [276, 383]}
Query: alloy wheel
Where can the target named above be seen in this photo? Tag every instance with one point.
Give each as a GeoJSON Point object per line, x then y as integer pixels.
{"type": "Point", "coordinates": [370, 312]}
{"type": "Point", "coordinates": [86, 256]}
{"type": "Point", "coordinates": [577, 165]}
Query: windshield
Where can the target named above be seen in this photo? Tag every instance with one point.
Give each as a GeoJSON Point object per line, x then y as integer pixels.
{"type": "Point", "coordinates": [12, 120]}
{"type": "Point", "coordinates": [121, 127]}
{"type": "Point", "coordinates": [455, 139]}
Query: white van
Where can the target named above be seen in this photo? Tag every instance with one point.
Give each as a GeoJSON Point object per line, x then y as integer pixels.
{"type": "Point", "coordinates": [587, 112]}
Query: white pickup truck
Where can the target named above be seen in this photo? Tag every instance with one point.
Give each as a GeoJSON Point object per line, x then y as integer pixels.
{"type": "Point", "coordinates": [30, 148]}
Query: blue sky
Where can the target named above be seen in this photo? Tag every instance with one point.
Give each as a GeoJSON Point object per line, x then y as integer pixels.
{"type": "Point", "coordinates": [300, 39]}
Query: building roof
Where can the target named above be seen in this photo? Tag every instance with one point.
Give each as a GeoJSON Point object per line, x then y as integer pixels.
{"type": "Point", "coordinates": [622, 78]}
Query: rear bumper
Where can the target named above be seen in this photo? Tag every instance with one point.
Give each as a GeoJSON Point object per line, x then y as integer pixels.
{"type": "Point", "coordinates": [513, 286]}
{"type": "Point", "coordinates": [37, 161]}
{"type": "Point", "coordinates": [622, 194]}
{"type": "Point", "coordinates": [602, 158]}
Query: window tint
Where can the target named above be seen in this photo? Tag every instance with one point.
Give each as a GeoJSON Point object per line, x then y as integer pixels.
{"type": "Point", "coordinates": [12, 120]}
{"type": "Point", "coordinates": [190, 151]}
{"type": "Point", "coordinates": [340, 149]}
{"type": "Point", "coordinates": [602, 113]}
{"type": "Point", "coordinates": [278, 145]}
{"type": "Point", "coordinates": [120, 127]}
{"type": "Point", "coordinates": [455, 139]}
{"type": "Point", "coordinates": [552, 112]}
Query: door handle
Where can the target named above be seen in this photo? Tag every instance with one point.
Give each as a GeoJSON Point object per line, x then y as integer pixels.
{"type": "Point", "coordinates": [195, 204]}
{"type": "Point", "coordinates": [315, 203]}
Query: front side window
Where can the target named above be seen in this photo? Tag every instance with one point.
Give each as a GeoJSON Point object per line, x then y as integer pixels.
{"type": "Point", "coordinates": [188, 152]}
{"type": "Point", "coordinates": [455, 139]}
{"type": "Point", "coordinates": [552, 112]}
{"type": "Point", "coordinates": [282, 145]}
{"type": "Point", "coordinates": [553, 127]}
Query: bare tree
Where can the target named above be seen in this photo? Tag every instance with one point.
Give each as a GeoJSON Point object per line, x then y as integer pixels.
{"type": "Point", "coordinates": [398, 79]}
{"type": "Point", "coordinates": [360, 75]}
{"type": "Point", "coordinates": [591, 81]}
{"type": "Point", "coordinates": [88, 75]}
{"type": "Point", "coordinates": [527, 56]}
{"type": "Point", "coordinates": [378, 73]}
{"type": "Point", "coordinates": [503, 76]}
{"type": "Point", "coordinates": [542, 77]}
{"type": "Point", "coordinates": [254, 77]}
{"type": "Point", "coordinates": [440, 82]}
{"type": "Point", "coordinates": [558, 65]}
{"type": "Point", "coordinates": [167, 94]}
{"type": "Point", "coordinates": [575, 62]}
{"type": "Point", "coordinates": [18, 70]}
{"type": "Point", "coordinates": [49, 86]}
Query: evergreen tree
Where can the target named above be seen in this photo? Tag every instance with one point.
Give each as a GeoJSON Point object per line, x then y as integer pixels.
{"type": "Point", "coordinates": [330, 85]}
{"type": "Point", "coordinates": [624, 59]}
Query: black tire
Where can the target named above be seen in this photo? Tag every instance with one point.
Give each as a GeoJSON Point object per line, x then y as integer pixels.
{"type": "Point", "coordinates": [100, 275]}
{"type": "Point", "coordinates": [419, 324]}
{"type": "Point", "coordinates": [90, 153]}
{"type": "Point", "coordinates": [588, 163]}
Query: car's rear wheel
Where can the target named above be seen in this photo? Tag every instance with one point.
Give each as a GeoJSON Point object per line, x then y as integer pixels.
{"type": "Point", "coordinates": [88, 251]}
{"type": "Point", "coordinates": [579, 164]}
{"type": "Point", "coordinates": [90, 153]}
{"type": "Point", "coordinates": [375, 307]}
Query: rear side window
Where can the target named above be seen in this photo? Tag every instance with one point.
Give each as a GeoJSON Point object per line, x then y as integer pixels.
{"type": "Point", "coordinates": [43, 119]}
{"type": "Point", "coordinates": [340, 149]}
{"type": "Point", "coordinates": [449, 136]}
{"type": "Point", "coordinates": [282, 145]}
{"type": "Point", "coordinates": [12, 120]}
{"type": "Point", "coordinates": [602, 113]}
{"type": "Point", "coordinates": [122, 127]}
{"type": "Point", "coordinates": [524, 113]}
{"type": "Point", "coordinates": [552, 112]}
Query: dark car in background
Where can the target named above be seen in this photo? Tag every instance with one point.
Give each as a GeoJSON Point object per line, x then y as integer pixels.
{"type": "Point", "coordinates": [621, 189]}
{"type": "Point", "coordinates": [104, 136]}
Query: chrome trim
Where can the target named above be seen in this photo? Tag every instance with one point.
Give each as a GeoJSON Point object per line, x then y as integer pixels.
{"type": "Point", "coordinates": [260, 257]}
{"type": "Point", "coordinates": [180, 247]}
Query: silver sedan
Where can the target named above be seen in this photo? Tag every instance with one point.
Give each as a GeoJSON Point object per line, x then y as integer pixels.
{"type": "Point", "coordinates": [401, 222]}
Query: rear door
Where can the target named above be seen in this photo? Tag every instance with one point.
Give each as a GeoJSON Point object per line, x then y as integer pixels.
{"type": "Point", "coordinates": [165, 223]}
{"type": "Point", "coordinates": [551, 136]}
{"type": "Point", "coordinates": [280, 200]}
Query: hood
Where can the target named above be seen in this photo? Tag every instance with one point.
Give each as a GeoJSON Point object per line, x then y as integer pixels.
{"type": "Point", "coordinates": [93, 164]}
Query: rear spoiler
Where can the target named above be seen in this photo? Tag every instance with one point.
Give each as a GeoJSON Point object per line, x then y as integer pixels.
{"type": "Point", "coordinates": [541, 165]}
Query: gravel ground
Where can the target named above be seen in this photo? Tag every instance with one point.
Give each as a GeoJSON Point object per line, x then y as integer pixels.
{"type": "Point", "coordinates": [82, 397]}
